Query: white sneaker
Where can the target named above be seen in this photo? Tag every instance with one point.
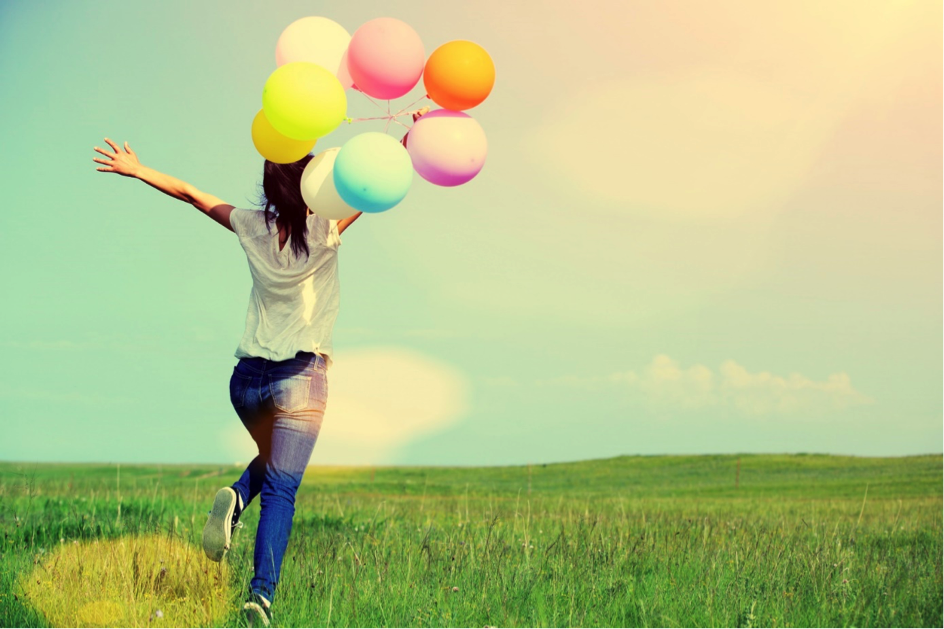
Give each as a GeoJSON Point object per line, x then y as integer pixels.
{"type": "Point", "coordinates": [257, 611]}
{"type": "Point", "coordinates": [218, 531]}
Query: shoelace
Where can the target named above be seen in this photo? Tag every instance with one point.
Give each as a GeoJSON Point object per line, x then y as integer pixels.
{"type": "Point", "coordinates": [238, 525]}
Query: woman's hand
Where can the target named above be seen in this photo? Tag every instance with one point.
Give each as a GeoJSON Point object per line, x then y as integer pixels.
{"type": "Point", "coordinates": [124, 163]}
{"type": "Point", "coordinates": [416, 116]}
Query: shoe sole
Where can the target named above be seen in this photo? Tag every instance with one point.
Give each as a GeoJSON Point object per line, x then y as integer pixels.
{"type": "Point", "coordinates": [255, 615]}
{"type": "Point", "coordinates": [216, 533]}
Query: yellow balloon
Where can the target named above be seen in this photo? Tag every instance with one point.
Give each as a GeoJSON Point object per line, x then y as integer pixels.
{"type": "Point", "coordinates": [274, 146]}
{"type": "Point", "coordinates": [303, 101]}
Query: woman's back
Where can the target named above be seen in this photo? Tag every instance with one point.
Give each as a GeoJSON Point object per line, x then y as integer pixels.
{"type": "Point", "coordinates": [295, 299]}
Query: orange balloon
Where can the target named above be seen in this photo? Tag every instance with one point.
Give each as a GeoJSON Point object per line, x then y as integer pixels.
{"type": "Point", "coordinates": [459, 75]}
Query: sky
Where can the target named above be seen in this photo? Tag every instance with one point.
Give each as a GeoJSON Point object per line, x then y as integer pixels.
{"type": "Point", "coordinates": [700, 228]}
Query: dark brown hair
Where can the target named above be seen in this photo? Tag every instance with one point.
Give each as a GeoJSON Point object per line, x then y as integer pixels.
{"type": "Point", "coordinates": [281, 191]}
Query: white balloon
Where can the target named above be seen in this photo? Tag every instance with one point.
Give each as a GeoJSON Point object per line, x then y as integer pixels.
{"type": "Point", "coordinates": [316, 40]}
{"type": "Point", "coordinates": [318, 187]}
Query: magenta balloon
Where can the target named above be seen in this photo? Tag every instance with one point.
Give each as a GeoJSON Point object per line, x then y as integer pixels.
{"type": "Point", "coordinates": [385, 58]}
{"type": "Point", "coordinates": [447, 147]}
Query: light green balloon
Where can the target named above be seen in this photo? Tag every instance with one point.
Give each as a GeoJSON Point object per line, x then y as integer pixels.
{"type": "Point", "coordinates": [303, 101]}
{"type": "Point", "coordinates": [372, 172]}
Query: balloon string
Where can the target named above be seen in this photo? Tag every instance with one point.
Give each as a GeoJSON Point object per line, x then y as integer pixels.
{"type": "Point", "coordinates": [379, 106]}
{"type": "Point", "coordinates": [391, 117]}
{"type": "Point", "coordinates": [362, 119]}
{"type": "Point", "coordinates": [424, 96]}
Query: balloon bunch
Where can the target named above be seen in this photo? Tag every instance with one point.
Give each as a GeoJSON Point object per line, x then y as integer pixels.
{"type": "Point", "coordinates": [305, 99]}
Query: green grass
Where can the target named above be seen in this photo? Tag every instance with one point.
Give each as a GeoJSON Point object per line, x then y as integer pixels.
{"type": "Point", "coordinates": [804, 540]}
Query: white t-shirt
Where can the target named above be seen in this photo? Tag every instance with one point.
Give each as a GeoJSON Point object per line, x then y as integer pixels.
{"type": "Point", "coordinates": [294, 301]}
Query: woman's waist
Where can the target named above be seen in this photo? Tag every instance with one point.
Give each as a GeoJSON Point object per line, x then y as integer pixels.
{"type": "Point", "coordinates": [302, 360]}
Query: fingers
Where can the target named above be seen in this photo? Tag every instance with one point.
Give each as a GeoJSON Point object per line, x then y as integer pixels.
{"type": "Point", "coordinates": [107, 168]}
{"type": "Point", "coordinates": [128, 148]}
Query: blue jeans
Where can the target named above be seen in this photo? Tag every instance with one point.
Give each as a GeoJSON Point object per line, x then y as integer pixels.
{"type": "Point", "coordinates": [281, 404]}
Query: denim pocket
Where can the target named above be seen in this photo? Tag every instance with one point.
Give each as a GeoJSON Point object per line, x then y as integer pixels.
{"type": "Point", "coordinates": [319, 390]}
{"type": "Point", "coordinates": [290, 394]}
{"type": "Point", "coordinates": [238, 385]}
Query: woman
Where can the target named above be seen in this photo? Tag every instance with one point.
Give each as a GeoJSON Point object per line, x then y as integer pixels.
{"type": "Point", "coordinates": [279, 387]}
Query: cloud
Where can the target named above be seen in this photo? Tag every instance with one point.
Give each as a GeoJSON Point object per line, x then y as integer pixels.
{"type": "Point", "coordinates": [664, 384]}
{"type": "Point", "coordinates": [711, 117]}
{"type": "Point", "coordinates": [706, 145]}
{"type": "Point", "coordinates": [762, 393]}
{"type": "Point", "coordinates": [379, 399]}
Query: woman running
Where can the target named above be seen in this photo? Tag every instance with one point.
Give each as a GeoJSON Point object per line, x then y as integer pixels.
{"type": "Point", "coordinates": [279, 387]}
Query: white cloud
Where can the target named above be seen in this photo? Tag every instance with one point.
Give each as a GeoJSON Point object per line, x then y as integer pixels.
{"type": "Point", "coordinates": [763, 392]}
{"type": "Point", "coordinates": [665, 384]}
{"type": "Point", "coordinates": [379, 399]}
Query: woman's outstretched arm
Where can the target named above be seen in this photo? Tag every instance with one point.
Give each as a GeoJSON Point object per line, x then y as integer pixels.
{"type": "Point", "coordinates": [344, 222]}
{"type": "Point", "coordinates": [126, 163]}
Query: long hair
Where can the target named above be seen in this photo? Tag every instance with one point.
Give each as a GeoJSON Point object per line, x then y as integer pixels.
{"type": "Point", "coordinates": [281, 191]}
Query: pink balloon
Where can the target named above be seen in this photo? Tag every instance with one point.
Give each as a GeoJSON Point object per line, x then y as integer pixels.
{"type": "Point", "coordinates": [447, 147]}
{"type": "Point", "coordinates": [385, 58]}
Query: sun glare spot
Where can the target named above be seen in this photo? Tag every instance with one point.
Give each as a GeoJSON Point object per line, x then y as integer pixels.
{"type": "Point", "coordinates": [151, 580]}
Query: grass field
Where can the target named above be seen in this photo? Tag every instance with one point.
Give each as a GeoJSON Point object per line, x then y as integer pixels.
{"type": "Point", "coordinates": [803, 540]}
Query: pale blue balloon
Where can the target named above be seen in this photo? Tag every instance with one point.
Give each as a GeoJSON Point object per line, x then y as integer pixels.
{"type": "Point", "coordinates": [373, 172]}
